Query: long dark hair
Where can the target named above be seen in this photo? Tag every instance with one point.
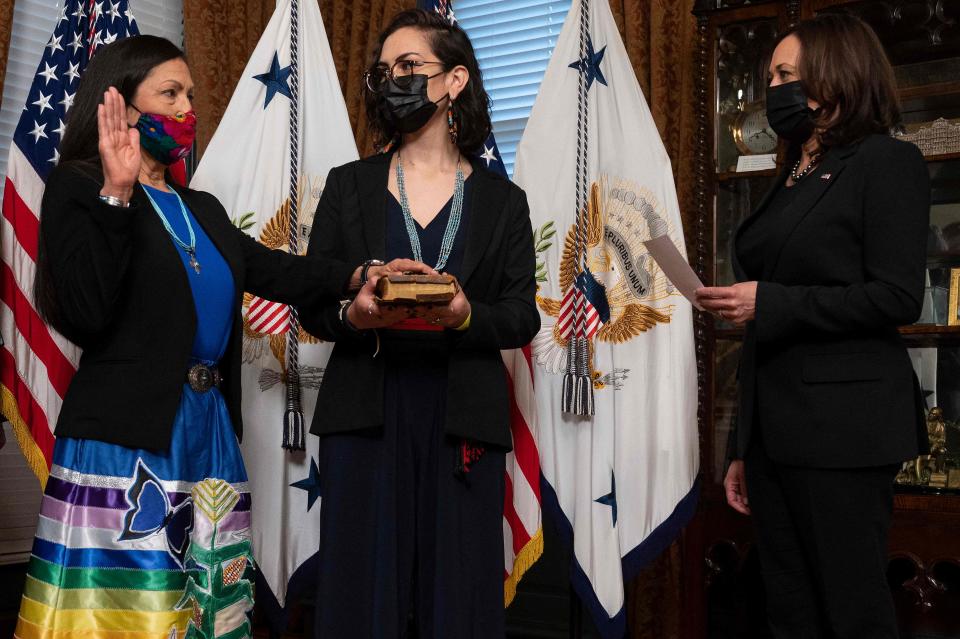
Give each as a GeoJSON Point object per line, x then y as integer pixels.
{"type": "Point", "coordinates": [844, 68]}
{"type": "Point", "coordinates": [452, 47]}
{"type": "Point", "coordinates": [122, 64]}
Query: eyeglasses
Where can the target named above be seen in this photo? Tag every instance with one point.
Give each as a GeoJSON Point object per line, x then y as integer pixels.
{"type": "Point", "coordinates": [401, 73]}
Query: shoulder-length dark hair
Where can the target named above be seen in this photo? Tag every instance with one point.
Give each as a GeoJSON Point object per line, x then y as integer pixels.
{"type": "Point", "coordinates": [452, 47]}
{"type": "Point", "coordinates": [122, 64]}
{"type": "Point", "coordinates": [844, 68]}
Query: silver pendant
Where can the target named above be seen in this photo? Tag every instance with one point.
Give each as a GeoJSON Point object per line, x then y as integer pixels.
{"type": "Point", "coordinates": [194, 263]}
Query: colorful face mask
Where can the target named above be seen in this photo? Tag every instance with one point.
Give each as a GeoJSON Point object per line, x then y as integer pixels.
{"type": "Point", "coordinates": [167, 138]}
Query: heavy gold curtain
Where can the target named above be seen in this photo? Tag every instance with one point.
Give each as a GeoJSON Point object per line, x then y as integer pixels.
{"type": "Point", "coordinates": [352, 27]}
{"type": "Point", "coordinates": [219, 36]}
{"type": "Point", "coordinates": [660, 37]}
{"type": "Point", "coordinates": [6, 26]}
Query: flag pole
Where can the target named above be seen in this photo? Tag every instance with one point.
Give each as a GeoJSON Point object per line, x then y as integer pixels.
{"type": "Point", "coordinates": [293, 426]}
{"type": "Point", "coordinates": [577, 392]}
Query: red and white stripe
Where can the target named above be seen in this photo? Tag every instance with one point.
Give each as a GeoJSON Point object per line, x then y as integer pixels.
{"type": "Point", "coordinates": [268, 318]}
{"type": "Point", "coordinates": [522, 534]}
{"type": "Point", "coordinates": [36, 363]}
{"type": "Point", "coordinates": [578, 317]}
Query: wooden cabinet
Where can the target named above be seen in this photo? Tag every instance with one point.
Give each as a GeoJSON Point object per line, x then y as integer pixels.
{"type": "Point", "coordinates": [735, 37]}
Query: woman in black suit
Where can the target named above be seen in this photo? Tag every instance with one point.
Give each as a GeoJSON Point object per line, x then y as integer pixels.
{"type": "Point", "coordinates": [413, 412]}
{"type": "Point", "coordinates": [148, 488]}
{"type": "Point", "coordinates": [830, 264]}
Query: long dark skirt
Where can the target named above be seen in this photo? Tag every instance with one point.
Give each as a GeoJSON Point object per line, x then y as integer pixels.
{"type": "Point", "coordinates": [408, 548]}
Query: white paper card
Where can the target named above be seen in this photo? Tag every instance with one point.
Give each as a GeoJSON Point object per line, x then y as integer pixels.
{"type": "Point", "coordinates": [675, 267]}
{"type": "Point", "coordinates": [746, 163]}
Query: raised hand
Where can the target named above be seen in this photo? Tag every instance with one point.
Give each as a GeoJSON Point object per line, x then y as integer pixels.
{"type": "Point", "coordinates": [119, 147]}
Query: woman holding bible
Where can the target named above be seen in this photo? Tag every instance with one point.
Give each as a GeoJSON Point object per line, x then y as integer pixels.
{"type": "Point", "coordinates": [413, 411]}
{"type": "Point", "coordinates": [830, 264]}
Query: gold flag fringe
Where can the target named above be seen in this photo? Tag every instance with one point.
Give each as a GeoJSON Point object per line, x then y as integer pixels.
{"type": "Point", "coordinates": [35, 459]}
{"type": "Point", "coordinates": [524, 560]}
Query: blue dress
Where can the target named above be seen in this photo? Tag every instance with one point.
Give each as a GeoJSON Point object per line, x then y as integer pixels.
{"type": "Point", "coordinates": [151, 544]}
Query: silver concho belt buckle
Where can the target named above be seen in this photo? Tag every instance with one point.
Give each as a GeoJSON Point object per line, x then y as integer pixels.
{"type": "Point", "coordinates": [202, 377]}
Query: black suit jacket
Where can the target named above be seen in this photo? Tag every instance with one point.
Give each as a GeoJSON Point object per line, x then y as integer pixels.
{"type": "Point", "coordinates": [497, 275]}
{"type": "Point", "coordinates": [123, 296]}
{"type": "Point", "coordinates": [824, 373]}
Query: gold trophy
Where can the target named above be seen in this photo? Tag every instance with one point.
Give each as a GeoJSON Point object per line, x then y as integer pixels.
{"type": "Point", "coordinates": [931, 469]}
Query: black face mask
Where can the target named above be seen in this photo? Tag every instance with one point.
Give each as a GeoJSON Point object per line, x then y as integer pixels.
{"type": "Point", "coordinates": [407, 107]}
{"type": "Point", "coordinates": [788, 113]}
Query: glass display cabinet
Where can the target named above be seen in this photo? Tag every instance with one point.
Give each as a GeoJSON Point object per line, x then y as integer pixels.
{"type": "Point", "coordinates": [738, 159]}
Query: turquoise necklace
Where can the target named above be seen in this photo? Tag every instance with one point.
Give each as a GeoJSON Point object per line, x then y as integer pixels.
{"type": "Point", "coordinates": [191, 248]}
{"type": "Point", "coordinates": [453, 223]}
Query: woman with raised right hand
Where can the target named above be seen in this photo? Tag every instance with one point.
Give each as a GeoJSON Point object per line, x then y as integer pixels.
{"type": "Point", "coordinates": [144, 526]}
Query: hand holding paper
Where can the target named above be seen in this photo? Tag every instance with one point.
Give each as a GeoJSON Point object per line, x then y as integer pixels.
{"type": "Point", "coordinates": [735, 303]}
{"type": "Point", "coordinates": [675, 267]}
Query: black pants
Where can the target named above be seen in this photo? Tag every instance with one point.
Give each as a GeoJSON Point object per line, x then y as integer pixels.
{"type": "Point", "coordinates": [408, 549]}
{"type": "Point", "coordinates": [822, 542]}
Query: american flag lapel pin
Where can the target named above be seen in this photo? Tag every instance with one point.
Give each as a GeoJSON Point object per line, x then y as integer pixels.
{"type": "Point", "coordinates": [825, 176]}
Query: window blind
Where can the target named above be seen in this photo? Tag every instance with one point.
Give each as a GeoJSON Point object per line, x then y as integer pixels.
{"type": "Point", "coordinates": [513, 40]}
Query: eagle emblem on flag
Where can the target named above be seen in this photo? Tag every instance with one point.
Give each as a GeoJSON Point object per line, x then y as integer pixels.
{"type": "Point", "coordinates": [266, 323]}
{"type": "Point", "coordinates": [618, 286]}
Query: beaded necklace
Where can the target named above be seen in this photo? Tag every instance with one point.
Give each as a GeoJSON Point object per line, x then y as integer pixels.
{"type": "Point", "coordinates": [814, 163]}
{"type": "Point", "coordinates": [191, 248]}
{"type": "Point", "coordinates": [453, 223]}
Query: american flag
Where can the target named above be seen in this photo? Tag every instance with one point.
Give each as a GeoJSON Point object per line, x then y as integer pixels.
{"type": "Point", "coordinates": [268, 318]}
{"type": "Point", "coordinates": [36, 363]}
{"type": "Point", "coordinates": [522, 530]}
{"type": "Point", "coordinates": [578, 317]}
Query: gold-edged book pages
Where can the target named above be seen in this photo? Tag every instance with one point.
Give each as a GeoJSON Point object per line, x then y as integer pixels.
{"type": "Point", "coordinates": [412, 290]}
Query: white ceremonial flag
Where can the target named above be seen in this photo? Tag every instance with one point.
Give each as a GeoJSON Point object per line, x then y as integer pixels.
{"type": "Point", "coordinates": [249, 165]}
{"type": "Point", "coordinates": [615, 371]}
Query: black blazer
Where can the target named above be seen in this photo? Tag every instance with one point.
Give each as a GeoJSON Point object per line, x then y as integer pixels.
{"type": "Point", "coordinates": [498, 277]}
{"type": "Point", "coordinates": [824, 373]}
{"type": "Point", "coordinates": [123, 296]}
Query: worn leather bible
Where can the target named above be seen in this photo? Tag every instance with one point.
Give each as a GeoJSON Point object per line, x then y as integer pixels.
{"type": "Point", "coordinates": [413, 289]}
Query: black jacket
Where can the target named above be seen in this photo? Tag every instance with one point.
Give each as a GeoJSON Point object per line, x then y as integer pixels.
{"type": "Point", "coordinates": [824, 373]}
{"type": "Point", "coordinates": [497, 276]}
{"type": "Point", "coordinates": [123, 296]}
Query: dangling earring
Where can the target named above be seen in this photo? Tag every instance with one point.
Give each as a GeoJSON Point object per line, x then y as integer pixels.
{"type": "Point", "coordinates": [452, 127]}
